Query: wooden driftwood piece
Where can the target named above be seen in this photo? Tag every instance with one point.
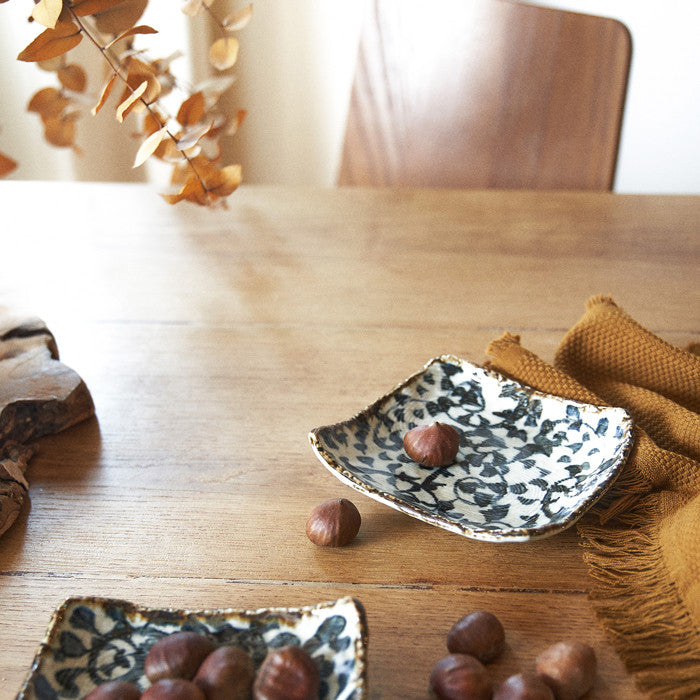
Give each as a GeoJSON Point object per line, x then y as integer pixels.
{"type": "Point", "coordinates": [39, 395]}
{"type": "Point", "coordinates": [13, 486]}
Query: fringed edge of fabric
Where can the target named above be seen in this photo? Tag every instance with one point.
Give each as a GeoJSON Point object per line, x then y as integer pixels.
{"type": "Point", "coordinates": [638, 605]}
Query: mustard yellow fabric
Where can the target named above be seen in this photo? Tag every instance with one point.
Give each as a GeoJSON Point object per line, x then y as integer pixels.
{"type": "Point", "coordinates": [641, 542]}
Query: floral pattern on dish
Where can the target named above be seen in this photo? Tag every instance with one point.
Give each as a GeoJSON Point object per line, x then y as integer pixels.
{"type": "Point", "coordinates": [529, 463]}
{"type": "Point", "coordinates": [94, 640]}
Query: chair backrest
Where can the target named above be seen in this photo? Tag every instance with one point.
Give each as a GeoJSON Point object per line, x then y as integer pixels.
{"type": "Point", "coordinates": [485, 94]}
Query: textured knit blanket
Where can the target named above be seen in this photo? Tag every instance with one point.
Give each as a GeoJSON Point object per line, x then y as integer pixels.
{"type": "Point", "coordinates": [641, 542]}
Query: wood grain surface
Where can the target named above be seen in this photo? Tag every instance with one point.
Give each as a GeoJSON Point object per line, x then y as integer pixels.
{"type": "Point", "coordinates": [212, 342]}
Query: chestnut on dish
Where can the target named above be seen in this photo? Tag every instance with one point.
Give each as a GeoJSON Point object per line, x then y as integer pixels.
{"type": "Point", "coordinates": [226, 674]}
{"type": "Point", "coordinates": [434, 445]}
{"type": "Point", "coordinates": [115, 690]}
{"type": "Point", "coordinates": [287, 673]}
{"type": "Point", "coordinates": [177, 655]}
{"type": "Point", "coordinates": [173, 689]}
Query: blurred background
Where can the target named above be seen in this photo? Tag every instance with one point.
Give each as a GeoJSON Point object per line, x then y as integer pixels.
{"type": "Point", "coordinates": [294, 75]}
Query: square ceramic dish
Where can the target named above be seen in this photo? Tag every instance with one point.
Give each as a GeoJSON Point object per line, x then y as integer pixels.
{"type": "Point", "coordinates": [529, 464]}
{"type": "Point", "coordinates": [93, 640]}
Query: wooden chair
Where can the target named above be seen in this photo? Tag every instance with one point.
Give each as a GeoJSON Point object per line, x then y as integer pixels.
{"type": "Point", "coordinates": [485, 94]}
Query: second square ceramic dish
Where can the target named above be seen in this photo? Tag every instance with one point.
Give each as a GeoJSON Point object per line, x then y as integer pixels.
{"type": "Point", "coordinates": [94, 640]}
{"type": "Point", "coordinates": [529, 464]}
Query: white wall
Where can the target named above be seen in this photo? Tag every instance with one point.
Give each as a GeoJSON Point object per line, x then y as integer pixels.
{"type": "Point", "coordinates": [295, 68]}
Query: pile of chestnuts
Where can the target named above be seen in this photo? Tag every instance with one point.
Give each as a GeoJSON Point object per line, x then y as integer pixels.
{"type": "Point", "coordinates": [189, 666]}
{"type": "Point", "coordinates": [564, 671]}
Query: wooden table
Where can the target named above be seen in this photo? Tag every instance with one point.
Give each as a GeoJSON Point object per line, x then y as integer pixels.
{"type": "Point", "coordinates": [213, 342]}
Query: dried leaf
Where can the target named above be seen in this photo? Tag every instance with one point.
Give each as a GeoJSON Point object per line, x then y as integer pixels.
{"type": "Point", "coordinates": [238, 20]}
{"type": "Point", "coordinates": [194, 7]}
{"type": "Point", "coordinates": [105, 94]}
{"type": "Point", "coordinates": [191, 110]}
{"type": "Point", "coordinates": [216, 86]}
{"type": "Point", "coordinates": [72, 77]}
{"type": "Point", "coordinates": [234, 124]}
{"type": "Point", "coordinates": [163, 64]}
{"type": "Point", "coordinates": [52, 65]}
{"type": "Point", "coordinates": [138, 71]}
{"type": "Point", "coordinates": [128, 104]}
{"type": "Point", "coordinates": [226, 181]}
{"type": "Point", "coordinates": [48, 102]}
{"type": "Point", "coordinates": [224, 53]}
{"type": "Point", "coordinates": [7, 165]}
{"type": "Point", "coordinates": [121, 17]}
{"type": "Point", "coordinates": [192, 135]}
{"type": "Point", "coordinates": [141, 29]}
{"type": "Point", "coordinates": [148, 147]}
{"type": "Point", "coordinates": [152, 123]}
{"type": "Point", "coordinates": [207, 188]}
{"type": "Point", "coordinates": [167, 151]}
{"type": "Point", "coordinates": [60, 131]}
{"type": "Point", "coordinates": [149, 96]}
{"type": "Point", "coordinates": [47, 12]}
{"type": "Point", "coordinates": [192, 191]}
{"type": "Point", "coordinates": [180, 173]}
{"type": "Point", "coordinates": [226, 125]}
{"type": "Point", "coordinates": [52, 42]}
{"type": "Point", "coordinates": [82, 8]}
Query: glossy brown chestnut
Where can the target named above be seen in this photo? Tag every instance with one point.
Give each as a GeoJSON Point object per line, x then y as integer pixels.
{"type": "Point", "coordinates": [226, 674]}
{"type": "Point", "coordinates": [568, 668]}
{"type": "Point", "coordinates": [434, 445]}
{"type": "Point", "coordinates": [178, 655]}
{"type": "Point", "coordinates": [479, 634]}
{"type": "Point", "coordinates": [523, 686]}
{"type": "Point", "coordinates": [115, 690]}
{"type": "Point", "coordinates": [460, 676]}
{"type": "Point", "coordinates": [333, 523]}
{"type": "Point", "coordinates": [173, 689]}
{"type": "Point", "coordinates": [287, 673]}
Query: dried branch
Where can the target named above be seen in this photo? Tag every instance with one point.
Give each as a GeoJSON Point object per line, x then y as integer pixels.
{"type": "Point", "coordinates": [190, 142]}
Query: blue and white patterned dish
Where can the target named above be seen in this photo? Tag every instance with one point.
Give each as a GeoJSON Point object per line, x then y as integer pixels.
{"type": "Point", "coordinates": [529, 464]}
{"type": "Point", "coordinates": [93, 640]}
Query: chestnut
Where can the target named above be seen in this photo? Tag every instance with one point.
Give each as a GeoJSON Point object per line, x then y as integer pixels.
{"type": "Point", "coordinates": [333, 523]}
{"type": "Point", "coordinates": [479, 634]}
{"type": "Point", "coordinates": [173, 689]}
{"type": "Point", "coordinates": [287, 673]}
{"type": "Point", "coordinates": [226, 674]}
{"type": "Point", "coordinates": [568, 668]}
{"type": "Point", "coordinates": [523, 686]}
{"type": "Point", "coordinates": [460, 677]}
{"type": "Point", "coordinates": [178, 655]}
{"type": "Point", "coordinates": [433, 445]}
{"type": "Point", "coordinates": [115, 690]}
